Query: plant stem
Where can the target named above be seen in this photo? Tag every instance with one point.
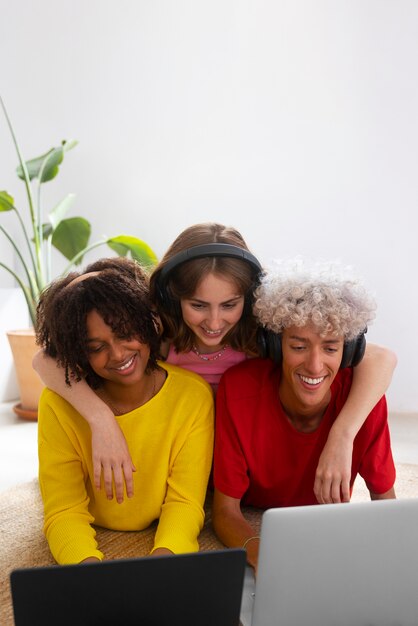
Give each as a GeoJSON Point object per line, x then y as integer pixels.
{"type": "Point", "coordinates": [48, 245]}
{"type": "Point", "coordinates": [48, 268]}
{"type": "Point", "coordinates": [34, 288]}
{"type": "Point", "coordinates": [38, 211]}
{"type": "Point", "coordinates": [38, 277]}
{"type": "Point", "coordinates": [81, 254]}
{"type": "Point", "coordinates": [37, 263]}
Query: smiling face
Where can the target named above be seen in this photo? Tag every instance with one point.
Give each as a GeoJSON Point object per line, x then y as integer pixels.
{"type": "Point", "coordinates": [212, 311]}
{"type": "Point", "coordinates": [310, 364]}
{"type": "Point", "coordinates": [118, 361]}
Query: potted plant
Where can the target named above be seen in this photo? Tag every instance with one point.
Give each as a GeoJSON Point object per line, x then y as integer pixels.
{"type": "Point", "coordinates": [69, 235]}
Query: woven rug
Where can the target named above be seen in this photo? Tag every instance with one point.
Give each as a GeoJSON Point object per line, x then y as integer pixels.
{"type": "Point", "coordinates": [22, 543]}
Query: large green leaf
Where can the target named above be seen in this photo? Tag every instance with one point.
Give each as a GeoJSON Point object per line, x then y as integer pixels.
{"type": "Point", "coordinates": [56, 216]}
{"type": "Point", "coordinates": [6, 201]}
{"type": "Point", "coordinates": [71, 236]}
{"type": "Point", "coordinates": [46, 163]}
{"type": "Point", "coordinates": [139, 250]}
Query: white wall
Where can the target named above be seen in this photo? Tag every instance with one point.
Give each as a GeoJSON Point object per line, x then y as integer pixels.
{"type": "Point", "coordinates": [295, 121]}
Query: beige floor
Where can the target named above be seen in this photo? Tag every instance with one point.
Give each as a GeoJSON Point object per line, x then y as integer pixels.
{"type": "Point", "coordinates": [18, 453]}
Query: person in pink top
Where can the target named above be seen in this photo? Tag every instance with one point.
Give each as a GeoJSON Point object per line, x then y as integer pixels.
{"type": "Point", "coordinates": [210, 367]}
{"type": "Point", "coordinates": [203, 288]}
{"type": "Point", "coordinates": [203, 292]}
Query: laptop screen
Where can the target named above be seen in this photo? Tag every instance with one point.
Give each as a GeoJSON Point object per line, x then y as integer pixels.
{"type": "Point", "coordinates": [191, 589]}
{"type": "Point", "coordinates": [347, 564]}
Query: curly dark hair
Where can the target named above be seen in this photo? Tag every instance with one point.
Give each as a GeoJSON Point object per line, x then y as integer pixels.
{"type": "Point", "coordinates": [184, 280]}
{"type": "Point", "coordinates": [118, 289]}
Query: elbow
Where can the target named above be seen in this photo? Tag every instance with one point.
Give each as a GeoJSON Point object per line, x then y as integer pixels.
{"type": "Point", "coordinates": [220, 526]}
{"type": "Point", "coordinates": [388, 495]}
{"type": "Point", "coordinates": [382, 355]}
{"type": "Point", "coordinates": [225, 512]}
{"type": "Point", "coordinates": [394, 358]}
{"type": "Point", "coordinates": [215, 519]}
{"type": "Point", "coordinates": [389, 357]}
{"type": "Point", "coordinates": [217, 514]}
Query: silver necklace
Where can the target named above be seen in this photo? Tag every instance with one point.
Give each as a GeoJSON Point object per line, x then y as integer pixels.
{"type": "Point", "coordinates": [206, 357]}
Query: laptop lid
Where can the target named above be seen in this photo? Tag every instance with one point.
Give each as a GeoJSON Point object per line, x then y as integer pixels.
{"type": "Point", "coordinates": [342, 564]}
{"type": "Point", "coordinates": [200, 588]}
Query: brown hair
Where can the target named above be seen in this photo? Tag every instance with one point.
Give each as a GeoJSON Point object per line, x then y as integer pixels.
{"type": "Point", "coordinates": [183, 280]}
{"type": "Point", "coordinates": [118, 289]}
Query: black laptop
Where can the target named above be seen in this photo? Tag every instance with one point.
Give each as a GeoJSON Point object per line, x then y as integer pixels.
{"type": "Point", "coordinates": [202, 588]}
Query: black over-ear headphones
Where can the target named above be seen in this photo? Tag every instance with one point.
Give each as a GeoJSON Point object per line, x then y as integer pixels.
{"type": "Point", "coordinates": [197, 252]}
{"type": "Point", "coordinates": [269, 343]}
{"type": "Point", "coordinates": [270, 346]}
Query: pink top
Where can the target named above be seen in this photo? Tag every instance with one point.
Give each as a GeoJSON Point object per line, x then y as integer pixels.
{"type": "Point", "coordinates": [211, 368]}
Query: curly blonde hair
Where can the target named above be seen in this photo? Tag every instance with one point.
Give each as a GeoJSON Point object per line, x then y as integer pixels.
{"type": "Point", "coordinates": [296, 293]}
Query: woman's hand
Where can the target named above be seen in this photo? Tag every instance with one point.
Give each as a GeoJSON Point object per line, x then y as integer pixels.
{"type": "Point", "coordinates": [111, 456]}
{"type": "Point", "coordinates": [371, 378]}
{"type": "Point", "coordinates": [333, 474]}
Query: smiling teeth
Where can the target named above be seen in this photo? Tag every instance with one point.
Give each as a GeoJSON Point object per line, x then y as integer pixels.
{"type": "Point", "coordinates": [128, 364]}
{"type": "Point", "coordinates": [212, 332]}
{"type": "Point", "coordinates": [312, 381]}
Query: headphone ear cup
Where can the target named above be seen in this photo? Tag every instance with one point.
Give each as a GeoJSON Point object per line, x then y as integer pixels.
{"type": "Point", "coordinates": [360, 348]}
{"type": "Point", "coordinates": [269, 345]}
{"type": "Point", "coordinates": [169, 305]}
{"type": "Point", "coordinates": [354, 351]}
{"type": "Point", "coordinates": [347, 354]}
{"type": "Point", "coordinates": [161, 295]}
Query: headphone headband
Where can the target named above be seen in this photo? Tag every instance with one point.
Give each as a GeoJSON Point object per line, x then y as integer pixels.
{"type": "Point", "coordinates": [211, 250]}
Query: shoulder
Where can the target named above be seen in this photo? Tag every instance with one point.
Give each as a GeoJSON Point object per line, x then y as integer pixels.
{"type": "Point", "coordinates": [183, 380]}
{"type": "Point", "coordinates": [249, 368]}
{"type": "Point", "coordinates": [53, 410]}
{"type": "Point", "coordinates": [248, 376]}
{"type": "Point", "coordinates": [52, 400]}
{"type": "Point", "coordinates": [186, 398]}
{"type": "Point", "coordinates": [170, 354]}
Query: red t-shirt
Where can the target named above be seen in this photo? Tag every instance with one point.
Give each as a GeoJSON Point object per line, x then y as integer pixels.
{"type": "Point", "coordinates": [263, 460]}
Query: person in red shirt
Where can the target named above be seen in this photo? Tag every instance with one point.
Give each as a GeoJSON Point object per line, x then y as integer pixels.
{"type": "Point", "coordinates": [273, 418]}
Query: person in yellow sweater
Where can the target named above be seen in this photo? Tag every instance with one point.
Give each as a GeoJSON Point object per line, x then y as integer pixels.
{"type": "Point", "coordinates": [99, 326]}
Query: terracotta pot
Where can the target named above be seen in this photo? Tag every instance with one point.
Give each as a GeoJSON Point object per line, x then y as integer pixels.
{"type": "Point", "coordinates": [23, 346]}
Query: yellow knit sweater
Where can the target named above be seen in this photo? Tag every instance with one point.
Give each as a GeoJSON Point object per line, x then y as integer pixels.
{"type": "Point", "coordinates": [170, 439]}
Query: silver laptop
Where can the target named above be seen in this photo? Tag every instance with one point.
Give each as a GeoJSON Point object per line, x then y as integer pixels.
{"type": "Point", "coordinates": [343, 564]}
